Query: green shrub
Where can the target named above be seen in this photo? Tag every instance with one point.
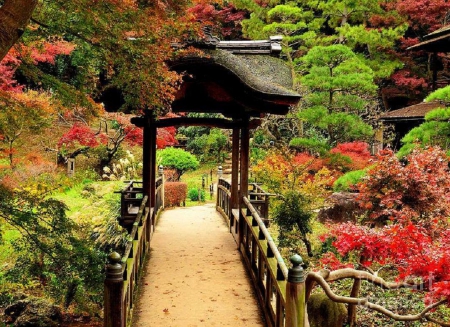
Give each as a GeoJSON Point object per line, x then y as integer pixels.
{"type": "Point", "coordinates": [174, 193]}
{"type": "Point", "coordinates": [178, 159]}
{"type": "Point", "coordinates": [193, 195]}
{"type": "Point", "coordinates": [347, 181]}
{"type": "Point", "coordinates": [310, 145]}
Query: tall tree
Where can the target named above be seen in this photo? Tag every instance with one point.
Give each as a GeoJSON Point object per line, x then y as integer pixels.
{"type": "Point", "coordinates": [339, 87]}
{"type": "Point", "coordinates": [14, 17]}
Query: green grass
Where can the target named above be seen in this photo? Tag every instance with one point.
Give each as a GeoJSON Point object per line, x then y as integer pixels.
{"type": "Point", "coordinates": [7, 256]}
{"type": "Point", "coordinates": [193, 179]}
{"type": "Point", "coordinates": [80, 196]}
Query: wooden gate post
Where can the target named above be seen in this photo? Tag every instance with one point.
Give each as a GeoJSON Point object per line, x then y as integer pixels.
{"type": "Point", "coordinates": [114, 311]}
{"type": "Point", "coordinates": [295, 294]}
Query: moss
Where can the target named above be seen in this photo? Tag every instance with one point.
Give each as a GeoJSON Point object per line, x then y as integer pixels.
{"type": "Point", "coordinates": [262, 73]}
{"type": "Point", "coordinates": [323, 312]}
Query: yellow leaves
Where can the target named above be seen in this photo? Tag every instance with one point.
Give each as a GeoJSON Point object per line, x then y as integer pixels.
{"type": "Point", "coordinates": [35, 100]}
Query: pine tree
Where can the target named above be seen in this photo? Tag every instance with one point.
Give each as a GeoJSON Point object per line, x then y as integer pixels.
{"type": "Point", "coordinates": [339, 86]}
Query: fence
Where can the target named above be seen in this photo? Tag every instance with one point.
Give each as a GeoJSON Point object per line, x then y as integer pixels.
{"type": "Point", "coordinates": [122, 271]}
{"type": "Point", "coordinates": [280, 297]}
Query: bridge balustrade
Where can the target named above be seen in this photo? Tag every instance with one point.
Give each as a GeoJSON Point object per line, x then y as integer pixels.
{"type": "Point", "coordinates": [123, 271]}
{"type": "Point", "coordinates": [260, 254]}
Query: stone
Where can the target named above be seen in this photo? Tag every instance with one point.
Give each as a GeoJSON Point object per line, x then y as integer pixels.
{"type": "Point", "coordinates": [341, 207]}
{"type": "Point", "coordinates": [323, 312]}
{"type": "Point", "coordinates": [34, 312]}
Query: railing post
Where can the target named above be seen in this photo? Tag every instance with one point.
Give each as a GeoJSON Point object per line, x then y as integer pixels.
{"type": "Point", "coordinates": [295, 294]}
{"type": "Point", "coordinates": [114, 311]}
{"type": "Point", "coordinates": [161, 173]}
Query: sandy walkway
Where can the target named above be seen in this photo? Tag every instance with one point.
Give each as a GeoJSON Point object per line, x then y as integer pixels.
{"type": "Point", "coordinates": [195, 276]}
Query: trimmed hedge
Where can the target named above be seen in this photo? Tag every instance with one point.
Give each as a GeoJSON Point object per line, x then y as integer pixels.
{"type": "Point", "coordinates": [193, 195]}
{"type": "Point", "coordinates": [174, 193]}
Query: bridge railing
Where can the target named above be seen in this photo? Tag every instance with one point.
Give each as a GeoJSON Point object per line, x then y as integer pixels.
{"type": "Point", "coordinates": [122, 271]}
{"type": "Point", "coordinates": [260, 254]}
{"type": "Point", "coordinates": [260, 201]}
{"type": "Point", "coordinates": [264, 263]}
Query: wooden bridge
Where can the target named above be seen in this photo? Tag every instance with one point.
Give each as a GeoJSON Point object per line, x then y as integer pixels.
{"type": "Point", "coordinates": [221, 268]}
{"type": "Point", "coordinates": [258, 292]}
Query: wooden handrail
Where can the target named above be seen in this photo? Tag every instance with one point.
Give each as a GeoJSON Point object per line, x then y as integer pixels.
{"type": "Point", "coordinates": [134, 230]}
{"type": "Point", "coordinates": [122, 272]}
{"type": "Point", "coordinates": [263, 229]}
{"type": "Point", "coordinates": [260, 254]}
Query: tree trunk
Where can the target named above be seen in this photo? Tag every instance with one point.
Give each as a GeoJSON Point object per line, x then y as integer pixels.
{"type": "Point", "coordinates": [308, 246]}
{"type": "Point", "coordinates": [14, 17]}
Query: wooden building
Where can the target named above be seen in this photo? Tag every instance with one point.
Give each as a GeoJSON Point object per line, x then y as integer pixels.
{"type": "Point", "coordinates": [407, 118]}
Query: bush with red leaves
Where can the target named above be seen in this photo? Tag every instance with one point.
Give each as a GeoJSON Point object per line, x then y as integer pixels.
{"type": "Point", "coordinates": [174, 193]}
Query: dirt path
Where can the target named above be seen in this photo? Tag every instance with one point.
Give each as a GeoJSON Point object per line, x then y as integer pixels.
{"type": "Point", "coordinates": [195, 276]}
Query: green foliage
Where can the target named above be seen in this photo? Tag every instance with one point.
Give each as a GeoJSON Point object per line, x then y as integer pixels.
{"type": "Point", "coordinates": [195, 194]}
{"type": "Point", "coordinates": [197, 146]}
{"type": "Point", "coordinates": [310, 145]}
{"type": "Point", "coordinates": [339, 161]}
{"type": "Point", "coordinates": [177, 159]}
{"type": "Point", "coordinates": [209, 145]}
{"type": "Point", "coordinates": [442, 94]}
{"type": "Point", "coordinates": [217, 142]}
{"type": "Point", "coordinates": [293, 220]}
{"type": "Point", "coordinates": [347, 181]}
{"type": "Point", "coordinates": [434, 131]}
{"type": "Point", "coordinates": [339, 86]}
{"type": "Point", "coordinates": [50, 250]}
{"type": "Point", "coordinates": [256, 155]}
{"type": "Point", "coordinates": [377, 41]}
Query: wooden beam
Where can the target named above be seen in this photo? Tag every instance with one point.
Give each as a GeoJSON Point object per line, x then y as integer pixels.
{"type": "Point", "coordinates": [200, 121]}
{"type": "Point", "coordinates": [235, 170]}
{"type": "Point", "coordinates": [245, 149]}
{"type": "Point", "coordinates": [152, 144]}
{"type": "Point", "coordinates": [146, 155]}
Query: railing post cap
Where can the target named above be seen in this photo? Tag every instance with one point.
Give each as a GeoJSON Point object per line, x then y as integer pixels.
{"type": "Point", "coordinates": [114, 267]}
{"type": "Point", "coordinates": [296, 260]}
{"type": "Point", "coordinates": [296, 274]}
{"type": "Point", "coordinates": [114, 257]}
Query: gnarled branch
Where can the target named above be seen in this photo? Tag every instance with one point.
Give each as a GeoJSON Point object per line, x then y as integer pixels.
{"type": "Point", "coordinates": [322, 278]}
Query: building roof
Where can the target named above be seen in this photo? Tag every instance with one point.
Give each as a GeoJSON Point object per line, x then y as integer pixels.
{"type": "Point", "coordinates": [437, 41]}
{"type": "Point", "coordinates": [234, 76]}
{"type": "Point", "coordinates": [414, 112]}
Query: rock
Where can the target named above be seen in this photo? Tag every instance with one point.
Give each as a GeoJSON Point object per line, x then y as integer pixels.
{"type": "Point", "coordinates": [342, 207]}
{"type": "Point", "coordinates": [34, 312]}
{"type": "Point", "coordinates": [323, 312]}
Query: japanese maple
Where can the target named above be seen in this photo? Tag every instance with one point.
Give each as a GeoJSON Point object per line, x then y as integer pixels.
{"type": "Point", "coordinates": [224, 16]}
{"type": "Point", "coordinates": [417, 191]}
{"type": "Point", "coordinates": [357, 152]}
{"type": "Point", "coordinates": [406, 226]}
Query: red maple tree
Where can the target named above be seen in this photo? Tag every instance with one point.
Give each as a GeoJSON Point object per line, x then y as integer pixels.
{"type": "Point", "coordinates": [406, 226]}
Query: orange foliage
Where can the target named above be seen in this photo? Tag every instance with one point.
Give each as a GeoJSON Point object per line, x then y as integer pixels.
{"type": "Point", "coordinates": [174, 193]}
